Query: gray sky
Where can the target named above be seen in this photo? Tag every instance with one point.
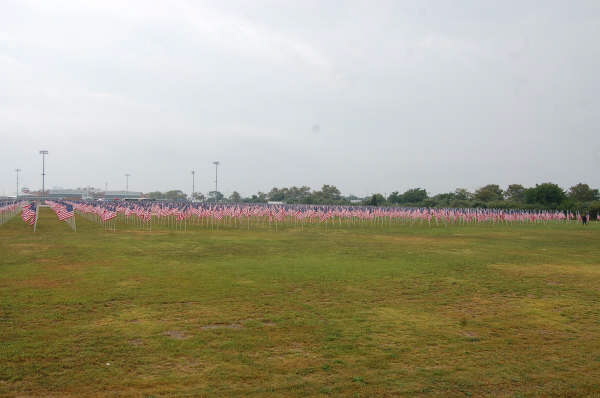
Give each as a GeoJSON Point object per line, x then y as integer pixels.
{"type": "Point", "coordinates": [438, 94]}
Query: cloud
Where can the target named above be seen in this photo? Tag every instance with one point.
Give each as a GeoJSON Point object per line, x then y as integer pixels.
{"type": "Point", "coordinates": [415, 93]}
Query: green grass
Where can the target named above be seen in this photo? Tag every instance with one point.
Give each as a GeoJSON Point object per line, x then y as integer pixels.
{"type": "Point", "coordinates": [477, 310]}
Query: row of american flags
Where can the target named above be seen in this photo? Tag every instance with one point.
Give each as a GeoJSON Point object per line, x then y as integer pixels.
{"type": "Point", "coordinates": [174, 213]}
{"type": "Point", "coordinates": [8, 209]}
{"type": "Point", "coordinates": [28, 210]}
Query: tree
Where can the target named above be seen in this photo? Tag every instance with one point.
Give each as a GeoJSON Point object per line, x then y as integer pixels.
{"type": "Point", "coordinates": [462, 194]}
{"type": "Point", "coordinates": [441, 199]}
{"type": "Point", "coordinates": [297, 194]}
{"type": "Point", "coordinates": [394, 197]}
{"type": "Point", "coordinates": [215, 196]}
{"type": "Point", "coordinates": [156, 195]}
{"type": "Point", "coordinates": [376, 199]}
{"type": "Point", "coordinates": [489, 193]}
{"type": "Point", "coordinates": [547, 194]}
{"type": "Point", "coordinates": [261, 197]}
{"type": "Point", "coordinates": [515, 193]}
{"type": "Point", "coordinates": [235, 197]}
{"type": "Point", "coordinates": [277, 195]}
{"type": "Point", "coordinates": [414, 195]}
{"type": "Point", "coordinates": [327, 194]}
{"type": "Point", "coordinates": [331, 192]}
{"type": "Point", "coordinates": [175, 194]}
{"type": "Point", "coordinates": [198, 196]}
{"type": "Point", "coordinates": [583, 193]}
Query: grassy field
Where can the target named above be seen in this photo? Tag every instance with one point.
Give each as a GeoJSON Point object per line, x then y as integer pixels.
{"type": "Point", "coordinates": [360, 312]}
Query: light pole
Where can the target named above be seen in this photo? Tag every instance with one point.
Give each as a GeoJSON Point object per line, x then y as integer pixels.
{"type": "Point", "coordinates": [193, 183]}
{"type": "Point", "coordinates": [216, 163]}
{"type": "Point", "coordinates": [43, 153]}
{"type": "Point", "coordinates": [127, 183]}
{"type": "Point", "coordinates": [18, 171]}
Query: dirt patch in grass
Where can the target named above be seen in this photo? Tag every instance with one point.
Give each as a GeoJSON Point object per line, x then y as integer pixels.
{"type": "Point", "coordinates": [136, 342]}
{"type": "Point", "coordinates": [470, 336]}
{"type": "Point", "coordinates": [222, 326]}
{"type": "Point", "coordinates": [177, 335]}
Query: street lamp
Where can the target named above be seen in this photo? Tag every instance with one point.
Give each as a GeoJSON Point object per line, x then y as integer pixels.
{"type": "Point", "coordinates": [216, 163]}
{"type": "Point", "coordinates": [17, 195]}
{"type": "Point", "coordinates": [43, 153]}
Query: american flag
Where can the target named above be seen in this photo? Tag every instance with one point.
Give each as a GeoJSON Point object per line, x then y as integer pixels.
{"type": "Point", "coordinates": [29, 213]}
{"type": "Point", "coordinates": [107, 215]}
{"type": "Point", "coordinates": [65, 212]}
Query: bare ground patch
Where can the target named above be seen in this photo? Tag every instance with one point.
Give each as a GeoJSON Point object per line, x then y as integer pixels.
{"type": "Point", "coordinates": [176, 334]}
{"type": "Point", "coordinates": [136, 342]}
{"type": "Point", "coordinates": [222, 326]}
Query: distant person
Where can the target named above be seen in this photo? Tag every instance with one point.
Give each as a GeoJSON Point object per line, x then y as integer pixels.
{"type": "Point", "coordinates": [584, 219]}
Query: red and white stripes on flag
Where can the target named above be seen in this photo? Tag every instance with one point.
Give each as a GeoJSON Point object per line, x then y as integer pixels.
{"type": "Point", "coordinates": [29, 214]}
{"type": "Point", "coordinates": [63, 212]}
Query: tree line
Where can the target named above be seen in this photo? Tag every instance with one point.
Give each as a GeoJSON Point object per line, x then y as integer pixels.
{"type": "Point", "coordinates": [549, 196]}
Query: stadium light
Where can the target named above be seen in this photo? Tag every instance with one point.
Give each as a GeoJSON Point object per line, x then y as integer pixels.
{"type": "Point", "coordinates": [17, 195]}
{"type": "Point", "coordinates": [127, 183]}
{"type": "Point", "coordinates": [216, 163]}
{"type": "Point", "coordinates": [193, 183]}
{"type": "Point", "coordinates": [43, 153]}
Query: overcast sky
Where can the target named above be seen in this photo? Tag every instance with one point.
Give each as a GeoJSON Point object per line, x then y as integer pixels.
{"type": "Point", "coordinates": [371, 96]}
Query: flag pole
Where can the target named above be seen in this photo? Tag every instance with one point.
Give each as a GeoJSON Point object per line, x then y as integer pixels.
{"type": "Point", "coordinates": [37, 211]}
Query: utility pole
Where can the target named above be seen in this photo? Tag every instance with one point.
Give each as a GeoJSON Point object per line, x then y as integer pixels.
{"type": "Point", "coordinates": [18, 171]}
{"type": "Point", "coordinates": [193, 183]}
{"type": "Point", "coordinates": [43, 153]}
{"type": "Point", "coordinates": [127, 183]}
{"type": "Point", "coordinates": [216, 163]}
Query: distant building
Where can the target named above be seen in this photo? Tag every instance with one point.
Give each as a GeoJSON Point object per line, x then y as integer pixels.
{"type": "Point", "coordinates": [113, 195]}
{"type": "Point", "coordinates": [58, 194]}
{"type": "Point", "coordinates": [74, 194]}
{"type": "Point", "coordinates": [83, 194]}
